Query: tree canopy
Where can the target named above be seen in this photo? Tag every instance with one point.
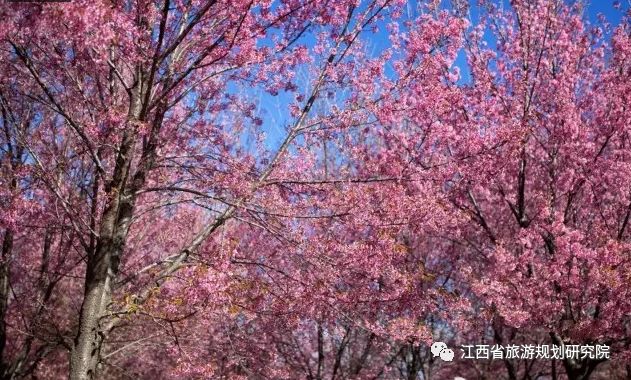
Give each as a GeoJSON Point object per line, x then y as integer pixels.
{"type": "Point", "coordinates": [293, 189]}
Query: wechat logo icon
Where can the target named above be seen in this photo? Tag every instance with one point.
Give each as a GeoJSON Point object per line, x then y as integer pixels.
{"type": "Point", "coordinates": [440, 349]}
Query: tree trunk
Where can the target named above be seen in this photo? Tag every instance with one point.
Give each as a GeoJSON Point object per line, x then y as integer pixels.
{"type": "Point", "coordinates": [7, 247]}
{"type": "Point", "coordinates": [580, 370]}
{"type": "Point", "coordinates": [103, 263]}
{"type": "Point", "coordinates": [101, 271]}
{"type": "Point", "coordinates": [576, 369]}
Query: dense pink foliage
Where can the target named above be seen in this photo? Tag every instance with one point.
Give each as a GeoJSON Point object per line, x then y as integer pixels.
{"type": "Point", "coordinates": [383, 202]}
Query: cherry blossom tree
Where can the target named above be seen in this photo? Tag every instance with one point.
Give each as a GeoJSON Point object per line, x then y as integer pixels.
{"type": "Point", "coordinates": [549, 206]}
{"type": "Point", "coordinates": [160, 220]}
